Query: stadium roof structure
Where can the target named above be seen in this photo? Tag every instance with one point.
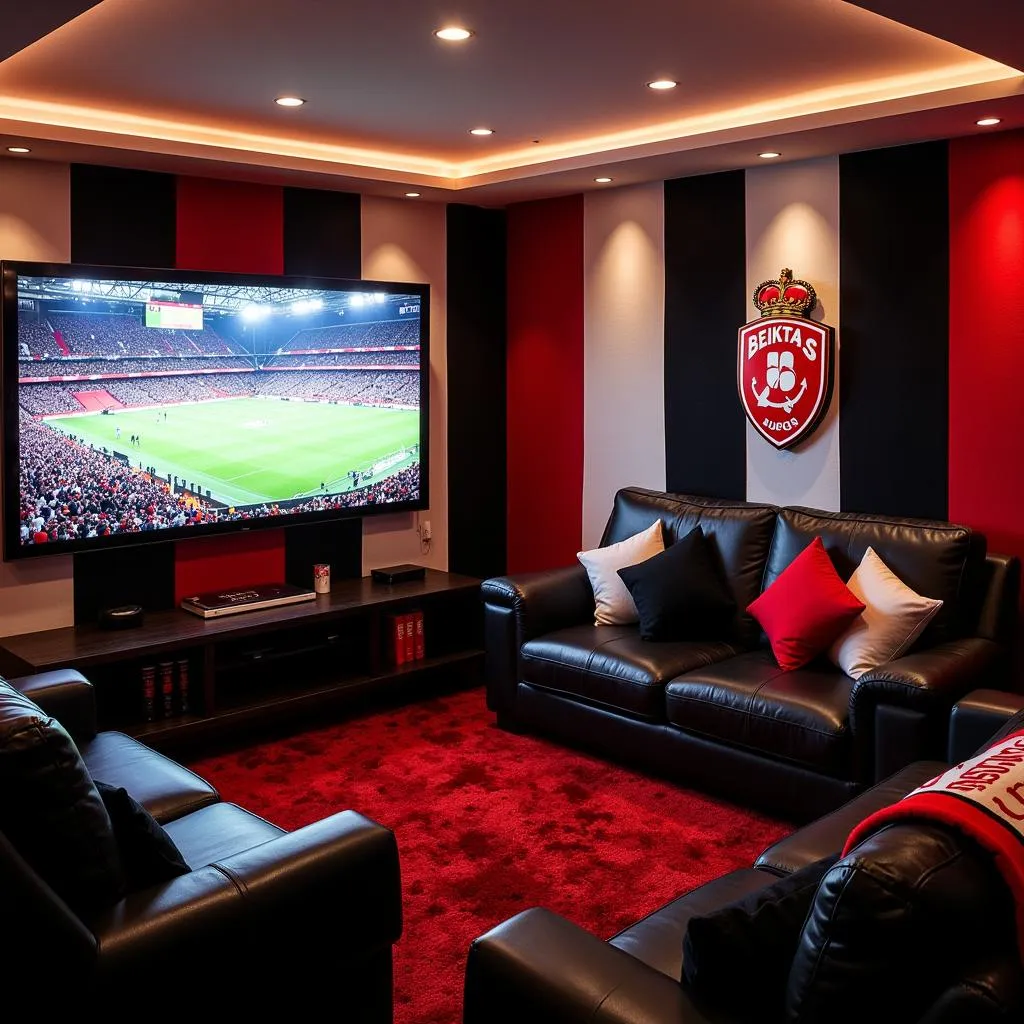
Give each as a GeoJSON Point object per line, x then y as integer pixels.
{"type": "Point", "coordinates": [230, 298]}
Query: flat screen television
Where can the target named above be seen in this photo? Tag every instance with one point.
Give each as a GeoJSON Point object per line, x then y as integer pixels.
{"type": "Point", "coordinates": [150, 405]}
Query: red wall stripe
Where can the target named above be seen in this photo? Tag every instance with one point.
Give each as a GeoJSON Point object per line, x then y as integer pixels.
{"type": "Point", "coordinates": [545, 383]}
{"type": "Point", "coordinates": [986, 337]}
{"type": "Point", "coordinates": [231, 226]}
{"type": "Point", "coordinates": [239, 228]}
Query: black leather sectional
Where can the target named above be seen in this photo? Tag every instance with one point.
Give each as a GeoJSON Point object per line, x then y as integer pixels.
{"type": "Point", "coordinates": [911, 927]}
{"type": "Point", "coordinates": [721, 715]}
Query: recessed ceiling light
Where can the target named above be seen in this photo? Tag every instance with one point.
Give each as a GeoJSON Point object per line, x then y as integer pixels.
{"type": "Point", "coordinates": [412, 195]}
{"type": "Point", "coordinates": [18, 149]}
{"type": "Point", "coordinates": [769, 154]}
{"type": "Point", "coordinates": [987, 122]}
{"type": "Point", "coordinates": [481, 131]}
{"type": "Point", "coordinates": [453, 34]}
{"type": "Point", "coordinates": [662, 84]}
{"type": "Point", "coordinates": [602, 181]}
{"type": "Point", "coordinates": [289, 101]}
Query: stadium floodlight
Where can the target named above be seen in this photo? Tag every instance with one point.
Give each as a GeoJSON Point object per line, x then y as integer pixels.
{"type": "Point", "coordinates": [254, 313]}
{"type": "Point", "coordinates": [307, 305]}
{"type": "Point", "coordinates": [356, 299]}
{"type": "Point", "coordinates": [379, 297]}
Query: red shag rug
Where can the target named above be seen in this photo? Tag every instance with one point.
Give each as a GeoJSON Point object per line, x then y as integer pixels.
{"type": "Point", "coordinates": [490, 823]}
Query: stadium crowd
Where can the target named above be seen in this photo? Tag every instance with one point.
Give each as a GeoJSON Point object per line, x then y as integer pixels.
{"type": "Point", "coordinates": [112, 334]}
{"type": "Point", "coordinates": [379, 332]}
{"type": "Point", "coordinates": [103, 365]}
{"type": "Point", "coordinates": [369, 386]}
{"type": "Point", "coordinates": [343, 360]}
{"type": "Point", "coordinates": [70, 491]}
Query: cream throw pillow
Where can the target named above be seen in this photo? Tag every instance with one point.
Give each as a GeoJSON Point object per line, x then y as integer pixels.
{"type": "Point", "coordinates": [894, 617]}
{"type": "Point", "coordinates": [614, 604]}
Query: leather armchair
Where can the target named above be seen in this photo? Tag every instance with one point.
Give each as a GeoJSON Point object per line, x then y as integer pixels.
{"type": "Point", "coordinates": [295, 912]}
{"type": "Point", "coordinates": [883, 940]}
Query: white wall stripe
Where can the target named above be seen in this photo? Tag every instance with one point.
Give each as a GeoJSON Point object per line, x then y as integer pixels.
{"type": "Point", "coordinates": [403, 241]}
{"type": "Point", "coordinates": [624, 347]}
{"type": "Point", "coordinates": [35, 224]}
{"type": "Point", "coordinates": [793, 221]}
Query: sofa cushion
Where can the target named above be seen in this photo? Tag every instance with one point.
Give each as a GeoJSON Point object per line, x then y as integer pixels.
{"type": "Point", "coordinates": [894, 617]}
{"type": "Point", "coordinates": [657, 939]}
{"type": "Point", "coordinates": [680, 594]}
{"type": "Point", "coordinates": [748, 701]}
{"type": "Point", "coordinates": [218, 831]}
{"type": "Point", "coordinates": [828, 834]}
{"type": "Point", "coordinates": [759, 930]}
{"type": "Point", "coordinates": [929, 556]}
{"type": "Point", "coordinates": [740, 533]}
{"type": "Point", "coordinates": [613, 605]}
{"type": "Point", "coordinates": [806, 608]}
{"type": "Point", "coordinates": [613, 667]}
{"type": "Point", "coordinates": [50, 809]}
{"type": "Point", "coordinates": [162, 786]}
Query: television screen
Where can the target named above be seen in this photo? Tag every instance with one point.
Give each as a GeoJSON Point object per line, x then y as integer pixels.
{"type": "Point", "coordinates": [146, 405]}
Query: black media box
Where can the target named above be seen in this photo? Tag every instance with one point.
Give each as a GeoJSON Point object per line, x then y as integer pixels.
{"type": "Point", "coordinates": [404, 573]}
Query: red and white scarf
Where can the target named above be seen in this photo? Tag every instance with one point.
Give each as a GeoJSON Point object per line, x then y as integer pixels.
{"type": "Point", "coordinates": [983, 798]}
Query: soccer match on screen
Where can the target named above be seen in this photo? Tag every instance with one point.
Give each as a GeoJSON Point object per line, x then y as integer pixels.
{"type": "Point", "coordinates": [146, 406]}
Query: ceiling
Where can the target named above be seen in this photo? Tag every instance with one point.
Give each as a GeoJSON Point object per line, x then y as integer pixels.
{"type": "Point", "coordinates": [189, 85]}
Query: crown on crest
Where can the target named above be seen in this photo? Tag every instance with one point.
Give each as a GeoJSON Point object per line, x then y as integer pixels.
{"type": "Point", "coordinates": [785, 297]}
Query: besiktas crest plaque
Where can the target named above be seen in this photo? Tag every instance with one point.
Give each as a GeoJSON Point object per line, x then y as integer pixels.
{"type": "Point", "coordinates": [785, 365]}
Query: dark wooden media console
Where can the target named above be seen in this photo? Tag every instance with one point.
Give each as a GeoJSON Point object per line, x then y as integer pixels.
{"type": "Point", "coordinates": [260, 667]}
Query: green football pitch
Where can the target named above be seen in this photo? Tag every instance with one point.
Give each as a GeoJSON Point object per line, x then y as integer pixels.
{"type": "Point", "coordinates": [250, 450]}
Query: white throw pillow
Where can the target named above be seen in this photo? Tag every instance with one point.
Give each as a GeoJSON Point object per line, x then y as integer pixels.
{"type": "Point", "coordinates": [614, 603]}
{"type": "Point", "coordinates": [894, 617]}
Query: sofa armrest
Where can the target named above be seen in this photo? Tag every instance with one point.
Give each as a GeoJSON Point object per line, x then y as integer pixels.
{"type": "Point", "coordinates": [924, 685]}
{"type": "Point", "coordinates": [321, 898]}
{"type": "Point", "coordinates": [976, 718]}
{"type": "Point", "coordinates": [65, 695]}
{"type": "Point", "coordinates": [538, 966]}
{"type": "Point", "coordinates": [519, 608]}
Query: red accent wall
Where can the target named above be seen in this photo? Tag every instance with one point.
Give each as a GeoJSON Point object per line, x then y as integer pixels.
{"type": "Point", "coordinates": [545, 383]}
{"type": "Point", "coordinates": [232, 226]}
{"type": "Point", "coordinates": [986, 337]}
{"type": "Point", "coordinates": [235, 227]}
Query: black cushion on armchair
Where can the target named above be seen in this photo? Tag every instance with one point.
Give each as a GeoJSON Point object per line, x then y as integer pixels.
{"type": "Point", "coordinates": [147, 853]}
{"type": "Point", "coordinates": [50, 810]}
{"type": "Point", "coordinates": [759, 932]}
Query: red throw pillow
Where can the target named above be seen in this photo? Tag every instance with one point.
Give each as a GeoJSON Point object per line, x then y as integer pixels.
{"type": "Point", "coordinates": [806, 608]}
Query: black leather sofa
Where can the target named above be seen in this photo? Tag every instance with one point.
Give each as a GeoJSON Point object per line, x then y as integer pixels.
{"type": "Point", "coordinates": [263, 918]}
{"type": "Point", "coordinates": [931, 941]}
{"type": "Point", "coordinates": [722, 715]}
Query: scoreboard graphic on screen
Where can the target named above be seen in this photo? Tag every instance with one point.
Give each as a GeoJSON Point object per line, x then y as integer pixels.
{"type": "Point", "coordinates": [174, 316]}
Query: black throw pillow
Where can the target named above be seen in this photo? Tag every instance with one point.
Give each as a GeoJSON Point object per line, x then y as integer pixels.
{"type": "Point", "coordinates": [680, 594]}
{"type": "Point", "coordinates": [738, 958]}
{"type": "Point", "coordinates": [148, 854]}
{"type": "Point", "coordinates": [50, 810]}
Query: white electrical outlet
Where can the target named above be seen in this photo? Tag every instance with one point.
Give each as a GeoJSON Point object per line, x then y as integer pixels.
{"type": "Point", "coordinates": [425, 530]}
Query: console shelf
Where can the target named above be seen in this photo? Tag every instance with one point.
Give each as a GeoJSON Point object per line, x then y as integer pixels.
{"type": "Point", "coordinates": [261, 667]}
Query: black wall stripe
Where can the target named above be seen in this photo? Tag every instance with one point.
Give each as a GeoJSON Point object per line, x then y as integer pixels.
{"type": "Point", "coordinates": [476, 324]}
{"type": "Point", "coordinates": [894, 360]}
{"type": "Point", "coordinates": [122, 217]}
{"type": "Point", "coordinates": [705, 296]}
{"type": "Point", "coordinates": [323, 238]}
{"type": "Point", "coordinates": [322, 233]}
